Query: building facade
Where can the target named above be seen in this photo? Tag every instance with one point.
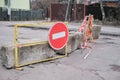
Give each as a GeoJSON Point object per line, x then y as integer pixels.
{"type": "Point", "coordinates": [16, 4]}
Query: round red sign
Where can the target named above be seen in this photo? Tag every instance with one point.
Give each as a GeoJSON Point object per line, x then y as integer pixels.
{"type": "Point", "coordinates": [58, 35]}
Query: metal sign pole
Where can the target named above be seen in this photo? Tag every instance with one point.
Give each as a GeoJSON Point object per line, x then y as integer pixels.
{"type": "Point", "coordinates": [67, 11]}
{"type": "Point", "coordinates": [9, 9]}
{"type": "Point", "coordinates": [84, 10]}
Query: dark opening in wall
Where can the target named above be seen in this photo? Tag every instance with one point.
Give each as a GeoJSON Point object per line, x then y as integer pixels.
{"type": "Point", "coordinates": [95, 10]}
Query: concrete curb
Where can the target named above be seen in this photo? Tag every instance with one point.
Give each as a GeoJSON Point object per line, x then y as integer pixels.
{"type": "Point", "coordinates": [109, 34]}
{"type": "Point", "coordinates": [110, 31]}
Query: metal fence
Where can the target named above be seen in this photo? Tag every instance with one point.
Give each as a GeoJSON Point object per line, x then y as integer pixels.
{"type": "Point", "coordinates": [22, 15]}
{"type": "Point", "coordinates": [59, 11]}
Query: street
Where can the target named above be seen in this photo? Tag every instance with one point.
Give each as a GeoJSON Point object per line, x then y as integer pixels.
{"type": "Point", "coordinates": [102, 63]}
{"type": "Point", "coordinates": [59, 39]}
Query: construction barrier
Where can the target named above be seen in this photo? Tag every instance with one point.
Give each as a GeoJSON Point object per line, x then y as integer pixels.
{"type": "Point", "coordinates": [87, 30]}
{"type": "Point", "coordinates": [17, 45]}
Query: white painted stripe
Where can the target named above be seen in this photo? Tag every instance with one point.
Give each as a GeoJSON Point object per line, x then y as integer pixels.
{"type": "Point", "coordinates": [87, 54]}
{"type": "Point", "coordinates": [58, 35]}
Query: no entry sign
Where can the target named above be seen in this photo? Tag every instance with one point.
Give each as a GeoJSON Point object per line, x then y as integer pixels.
{"type": "Point", "coordinates": [58, 35]}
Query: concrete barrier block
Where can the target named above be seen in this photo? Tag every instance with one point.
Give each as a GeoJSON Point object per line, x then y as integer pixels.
{"type": "Point", "coordinates": [25, 54]}
{"type": "Point", "coordinates": [74, 42]}
{"type": "Point", "coordinates": [96, 31]}
{"type": "Point", "coordinates": [35, 53]}
{"type": "Point", "coordinates": [7, 56]}
{"type": "Point", "coordinates": [43, 51]}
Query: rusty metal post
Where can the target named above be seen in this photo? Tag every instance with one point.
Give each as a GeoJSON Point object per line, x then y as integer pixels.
{"type": "Point", "coordinates": [50, 10]}
{"type": "Point", "coordinates": [84, 10]}
{"type": "Point", "coordinates": [67, 11]}
{"type": "Point", "coordinates": [75, 11]}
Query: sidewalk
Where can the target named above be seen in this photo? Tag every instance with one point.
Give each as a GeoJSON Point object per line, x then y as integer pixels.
{"type": "Point", "coordinates": [113, 31]}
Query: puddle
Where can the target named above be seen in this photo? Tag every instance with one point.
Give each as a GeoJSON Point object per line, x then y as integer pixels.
{"type": "Point", "coordinates": [115, 68]}
{"type": "Point", "coordinates": [111, 42]}
{"type": "Point", "coordinates": [106, 39]}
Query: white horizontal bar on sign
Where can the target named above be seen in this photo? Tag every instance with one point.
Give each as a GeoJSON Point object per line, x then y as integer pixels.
{"type": "Point", "coordinates": [58, 35]}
